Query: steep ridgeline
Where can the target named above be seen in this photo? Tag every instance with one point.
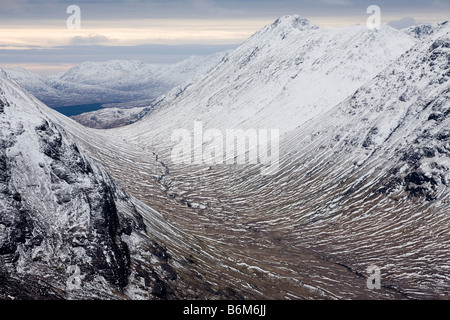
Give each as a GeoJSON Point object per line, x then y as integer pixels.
{"type": "Point", "coordinates": [284, 75]}
{"type": "Point", "coordinates": [68, 231]}
{"type": "Point", "coordinates": [112, 81]}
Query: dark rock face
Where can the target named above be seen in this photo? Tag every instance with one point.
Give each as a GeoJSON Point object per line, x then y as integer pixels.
{"type": "Point", "coordinates": [169, 272]}
{"type": "Point", "coordinates": [419, 185]}
{"type": "Point", "coordinates": [10, 221]}
{"type": "Point", "coordinates": [369, 140]}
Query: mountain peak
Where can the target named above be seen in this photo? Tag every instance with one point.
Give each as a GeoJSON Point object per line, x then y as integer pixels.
{"type": "Point", "coordinates": [282, 27]}
{"type": "Point", "coordinates": [294, 21]}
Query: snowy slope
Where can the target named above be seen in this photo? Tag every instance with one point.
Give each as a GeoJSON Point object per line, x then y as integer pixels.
{"type": "Point", "coordinates": [112, 81]}
{"type": "Point", "coordinates": [60, 209]}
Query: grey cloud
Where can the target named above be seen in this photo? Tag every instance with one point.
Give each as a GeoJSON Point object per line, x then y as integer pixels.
{"type": "Point", "coordinates": [90, 40]}
{"type": "Point", "coordinates": [403, 23]}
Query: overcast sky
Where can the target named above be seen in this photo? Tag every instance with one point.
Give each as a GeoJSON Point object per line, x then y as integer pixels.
{"type": "Point", "coordinates": [34, 34]}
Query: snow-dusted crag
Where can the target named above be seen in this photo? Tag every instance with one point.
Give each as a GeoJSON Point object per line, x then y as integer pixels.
{"type": "Point", "coordinates": [108, 118]}
{"type": "Point", "coordinates": [422, 31]}
{"type": "Point", "coordinates": [373, 174]}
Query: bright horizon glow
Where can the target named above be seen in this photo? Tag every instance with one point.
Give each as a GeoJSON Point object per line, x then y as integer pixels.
{"type": "Point", "coordinates": [42, 69]}
{"type": "Point", "coordinates": [159, 31]}
{"type": "Point", "coordinates": [171, 32]}
{"type": "Point", "coordinates": [34, 35]}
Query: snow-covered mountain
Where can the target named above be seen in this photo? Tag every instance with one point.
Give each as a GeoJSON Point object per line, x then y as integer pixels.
{"type": "Point", "coordinates": [112, 81]}
{"type": "Point", "coordinates": [363, 182]}
{"type": "Point", "coordinates": [57, 93]}
{"type": "Point", "coordinates": [68, 231]}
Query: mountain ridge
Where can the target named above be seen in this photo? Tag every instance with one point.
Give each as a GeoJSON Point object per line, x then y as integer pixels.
{"type": "Point", "coordinates": [295, 74]}
{"type": "Point", "coordinates": [111, 81]}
